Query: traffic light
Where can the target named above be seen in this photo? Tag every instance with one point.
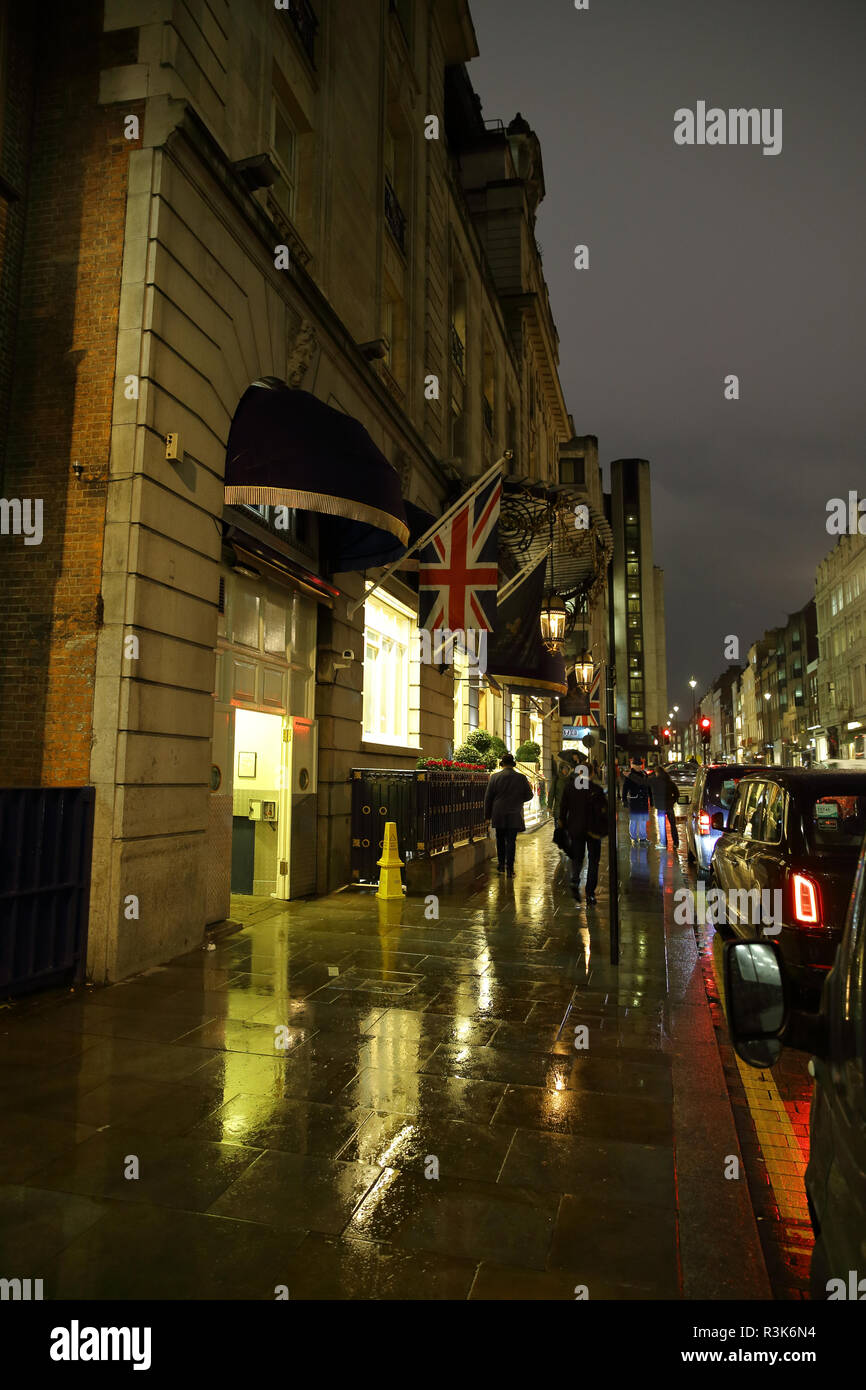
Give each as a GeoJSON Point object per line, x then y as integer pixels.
{"type": "Point", "coordinates": [705, 726]}
{"type": "Point", "coordinates": [666, 735]}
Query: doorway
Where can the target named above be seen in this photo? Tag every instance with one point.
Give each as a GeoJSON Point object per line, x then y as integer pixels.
{"type": "Point", "coordinates": [256, 803]}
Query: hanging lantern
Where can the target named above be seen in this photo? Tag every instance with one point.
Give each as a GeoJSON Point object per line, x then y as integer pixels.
{"type": "Point", "coordinates": [583, 672]}
{"type": "Point", "coordinates": [553, 619]}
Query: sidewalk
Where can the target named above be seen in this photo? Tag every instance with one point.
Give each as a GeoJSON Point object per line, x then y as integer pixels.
{"type": "Point", "coordinates": [426, 1129]}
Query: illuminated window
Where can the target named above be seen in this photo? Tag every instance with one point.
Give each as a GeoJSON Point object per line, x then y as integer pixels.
{"type": "Point", "coordinates": [387, 670]}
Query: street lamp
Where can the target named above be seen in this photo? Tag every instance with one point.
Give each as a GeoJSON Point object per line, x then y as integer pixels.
{"type": "Point", "coordinates": [553, 618]}
{"type": "Point", "coordinates": [583, 672]}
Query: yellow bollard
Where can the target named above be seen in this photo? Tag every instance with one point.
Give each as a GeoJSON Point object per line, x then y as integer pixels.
{"type": "Point", "coordinates": [390, 883]}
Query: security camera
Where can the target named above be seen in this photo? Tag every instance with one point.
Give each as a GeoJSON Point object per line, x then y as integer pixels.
{"type": "Point", "coordinates": [348, 654]}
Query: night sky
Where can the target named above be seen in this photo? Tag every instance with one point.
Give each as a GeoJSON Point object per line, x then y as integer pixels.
{"type": "Point", "coordinates": [704, 262]}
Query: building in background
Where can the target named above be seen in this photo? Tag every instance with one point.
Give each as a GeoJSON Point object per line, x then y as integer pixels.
{"type": "Point", "coordinates": [840, 600]}
{"type": "Point", "coordinates": [638, 597]}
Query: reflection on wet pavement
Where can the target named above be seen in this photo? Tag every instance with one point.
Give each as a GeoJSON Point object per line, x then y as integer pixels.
{"type": "Point", "coordinates": [358, 1101]}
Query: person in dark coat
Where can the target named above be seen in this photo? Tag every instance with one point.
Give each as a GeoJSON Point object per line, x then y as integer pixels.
{"type": "Point", "coordinates": [584, 814]}
{"type": "Point", "coordinates": [503, 807]}
{"type": "Point", "coordinates": [637, 796]}
{"type": "Point", "coordinates": [665, 794]}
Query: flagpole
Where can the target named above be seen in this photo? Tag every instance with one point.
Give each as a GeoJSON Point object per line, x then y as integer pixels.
{"type": "Point", "coordinates": [428, 535]}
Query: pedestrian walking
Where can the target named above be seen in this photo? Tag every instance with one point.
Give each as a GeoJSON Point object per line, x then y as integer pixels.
{"type": "Point", "coordinates": [564, 775]}
{"type": "Point", "coordinates": [665, 794]}
{"type": "Point", "coordinates": [507, 792]}
{"type": "Point", "coordinates": [637, 797]}
{"type": "Point", "coordinates": [584, 815]}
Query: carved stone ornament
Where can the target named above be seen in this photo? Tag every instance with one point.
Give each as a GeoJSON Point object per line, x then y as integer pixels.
{"type": "Point", "coordinates": [301, 353]}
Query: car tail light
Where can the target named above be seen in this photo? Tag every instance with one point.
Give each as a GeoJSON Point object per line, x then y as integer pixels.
{"type": "Point", "coordinates": [806, 901]}
{"type": "Point", "coordinates": [704, 823]}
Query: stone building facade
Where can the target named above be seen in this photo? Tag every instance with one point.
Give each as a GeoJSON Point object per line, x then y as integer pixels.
{"type": "Point", "coordinates": [219, 195]}
{"type": "Point", "coordinates": [840, 600]}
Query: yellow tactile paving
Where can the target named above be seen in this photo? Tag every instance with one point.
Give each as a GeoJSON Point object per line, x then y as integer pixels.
{"type": "Point", "coordinates": [772, 1125]}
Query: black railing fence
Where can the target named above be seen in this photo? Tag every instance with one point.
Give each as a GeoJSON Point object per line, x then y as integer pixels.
{"type": "Point", "coordinates": [46, 841]}
{"type": "Point", "coordinates": [434, 809]}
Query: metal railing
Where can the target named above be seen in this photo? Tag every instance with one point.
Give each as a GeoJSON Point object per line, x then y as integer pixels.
{"type": "Point", "coordinates": [395, 216]}
{"type": "Point", "coordinates": [46, 839]}
{"type": "Point", "coordinates": [434, 809]}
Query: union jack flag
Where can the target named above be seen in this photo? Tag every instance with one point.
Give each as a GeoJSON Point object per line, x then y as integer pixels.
{"type": "Point", "coordinates": [457, 569]}
{"type": "Point", "coordinates": [595, 699]}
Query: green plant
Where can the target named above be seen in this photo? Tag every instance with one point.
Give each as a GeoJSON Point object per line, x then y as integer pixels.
{"type": "Point", "coordinates": [528, 752]}
{"type": "Point", "coordinates": [480, 740]}
{"type": "Point", "coordinates": [481, 747]}
{"type": "Point", "coordinates": [468, 752]}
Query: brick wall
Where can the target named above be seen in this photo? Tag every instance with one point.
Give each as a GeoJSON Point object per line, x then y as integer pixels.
{"type": "Point", "coordinates": [60, 403]}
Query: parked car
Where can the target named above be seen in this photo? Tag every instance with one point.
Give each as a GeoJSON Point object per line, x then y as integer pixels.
{"type": "Point", "coordinates": [762, 1021]}
{"type": "Point", "coordinates": [714, 790]}
{"type": "Point", "coordinates": [796, 831]}
{"type": "Point", "coordinates": [683, 774]}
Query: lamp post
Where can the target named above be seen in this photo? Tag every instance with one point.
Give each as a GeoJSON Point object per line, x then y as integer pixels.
{"type": "Point", "coordinates": [694, 739]}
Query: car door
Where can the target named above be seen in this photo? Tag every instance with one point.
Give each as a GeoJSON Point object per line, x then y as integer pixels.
{"type": "Point", "coordinates": [768, 860]}
{"type": "Point", "coordinates": [750, 819]}
{"type": "Point", "coordinates": [728, 849]}
{"type": "Point", "coordinates": [836, 1175]}
{"type": "Point", "coordinates": [693, 810]}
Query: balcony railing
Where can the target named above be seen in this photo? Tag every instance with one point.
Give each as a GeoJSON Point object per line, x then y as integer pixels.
{"type": "Point", "coordinates": [458, 350]}
{"type": "Point", "coordinates": [487, 413]}
{"type": "Point", "coordinates": [395, 216]}
{"type": "Point", "coordinates": [303, 20]}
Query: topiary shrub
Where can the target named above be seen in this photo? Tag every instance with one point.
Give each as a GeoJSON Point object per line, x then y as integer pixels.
{"type": "Point", "coordinates": [482, 747]}
{"type": "Point", "coordinates": [528, 752]}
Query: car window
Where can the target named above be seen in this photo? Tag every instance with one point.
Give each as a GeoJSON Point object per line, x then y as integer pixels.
{"type": "Point", "coordinates": [773, 813]}
{"type": "Point", "coordinates": [736, 817]}
{"type": "Point", "coordinates": [753, 811]}
{"type": "Point", "coordinates": [836, 821]}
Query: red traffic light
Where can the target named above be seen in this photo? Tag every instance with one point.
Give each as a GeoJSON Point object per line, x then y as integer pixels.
{"type": "Point", "coordinates": [666, 734]}
{"type": "Point", "coordinates": [705, 723]}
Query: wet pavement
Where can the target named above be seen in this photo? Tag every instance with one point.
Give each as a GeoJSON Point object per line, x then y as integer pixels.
{"type": "Point", "coordinates": [349, 1099]}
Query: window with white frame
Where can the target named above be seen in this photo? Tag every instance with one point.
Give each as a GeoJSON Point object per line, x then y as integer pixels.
{"type": "Point", "coordinates": [515, 722]}
{"type": "Point", "coordinates": [387, 670]}
{"type": "Point", "coordinates": [284, 149]}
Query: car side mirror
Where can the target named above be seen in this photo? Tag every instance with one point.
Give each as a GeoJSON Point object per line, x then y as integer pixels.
{"type": "Point", "coordinates": [755, 1001]}
{"type": "Point", "coordinates": [717, 820]}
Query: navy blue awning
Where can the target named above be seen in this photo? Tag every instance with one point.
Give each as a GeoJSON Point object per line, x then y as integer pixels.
{"type": "Point", "coordinates": [287, 448]}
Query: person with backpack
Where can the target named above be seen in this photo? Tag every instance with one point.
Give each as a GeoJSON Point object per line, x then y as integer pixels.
{"type": "Point", "coordinates": [583, 813]}
{"type": "Point", "coordinates": [507, 791]}
{"type": "Point", "coordinates": [637, 796]}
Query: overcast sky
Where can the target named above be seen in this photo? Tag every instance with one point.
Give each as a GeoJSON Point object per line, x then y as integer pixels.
{"type": "Point", "coordinates": [704, 262]}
